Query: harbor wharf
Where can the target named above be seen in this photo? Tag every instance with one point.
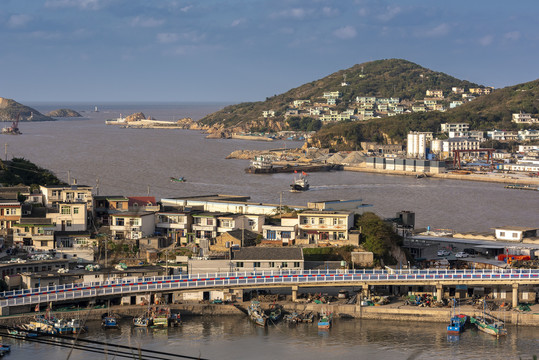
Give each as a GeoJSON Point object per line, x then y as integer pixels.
{"type": "Point", "coordinates": [393, 311]}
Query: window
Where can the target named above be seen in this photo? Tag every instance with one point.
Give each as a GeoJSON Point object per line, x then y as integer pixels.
{"type": "Point", "coordinates": [321, 221]}
{"type": "Point", "coordinates": [270, 235]}
{"type": "Point", "coordinates": [209, 222]}
{"type": "Point", "coordinates": [515, 235]}
{"type": "Point", "coordinates": [296, 264]}
{"type": "Point", "coordinates": [239, 264]}
{"type": "Point", "coordinates": [304, 220]}
{"type": "Point", "coordinates": [226, 223]}
{"type": "Point", "coordinates": [69, 223]}
{"type": "Point", "coordinates": [75, 210]}
{"type": "Point", "coordinates": [284, 265]}
{"type": "Point", "coordinates": [272, 264]}
{"type": "Point", "coordinates": [341, 236]}
{"type": "Point", "coordinates": [502, 233]}
{"type": "Point", "coordinates": [119, 221]}
{"type": "Point", "coordinates": [251, 223]}
{"type": "Point", "coordinates": [66, 210]}
{"type": "Point", "coordinates": [313, 220]}
{"type": "Point", "coordinates": [256, 264]}
{"type": "Point", "coordinates": [286, 234]}
{"type": "Point", "coordinates": [44, 243]}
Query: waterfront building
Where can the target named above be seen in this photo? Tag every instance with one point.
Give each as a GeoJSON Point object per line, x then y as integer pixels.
{"type": "Point", "coordinates": [110, 204]}
{"type": "Point", "coordinates": [268, 258]}
{"type": "Point", "coordinates": [459, 144]}
{"type": "Point", "coordinates": [516, 233]}
{"type": "Point", "coordinates": [175, 223]}
{"type": "Point", "coordinates": [76, 245]}
{"type": "Point", "coordinates": [13, 268]}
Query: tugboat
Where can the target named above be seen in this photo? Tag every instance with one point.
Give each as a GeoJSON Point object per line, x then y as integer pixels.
{"type": "Point", "coordinates": [300, 183]}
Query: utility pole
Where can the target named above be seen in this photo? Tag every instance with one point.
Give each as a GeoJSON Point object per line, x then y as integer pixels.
{"type": "Point", "coordinates": [97, 186]}
{"type": "Point", "coordinates": [281, 205]}
{"type": "Point", "coordinates": [68, 177]}
{"type": "Point", "coordinates": [148, 190]}
{"type": "Point", "coordinates": [5, 151]}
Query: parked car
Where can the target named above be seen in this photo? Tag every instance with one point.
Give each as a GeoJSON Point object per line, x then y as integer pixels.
{"type": "Point", "coordinates": [443, 252]}
{"type": "Point", "coordinates": [461, 254]}
{"type": "Point", "coordinates": [471, 251]}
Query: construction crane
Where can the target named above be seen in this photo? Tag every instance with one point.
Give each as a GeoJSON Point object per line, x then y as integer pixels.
{"type": "Point", "coordinates": [14, 129]}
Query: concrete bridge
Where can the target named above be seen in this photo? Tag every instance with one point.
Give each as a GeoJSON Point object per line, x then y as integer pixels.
{"type": "Point", "coordinates": [267, 279]}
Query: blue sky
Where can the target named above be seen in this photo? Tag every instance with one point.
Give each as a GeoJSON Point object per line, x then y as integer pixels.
{"type": "Point", "coordinates": [246, 50]}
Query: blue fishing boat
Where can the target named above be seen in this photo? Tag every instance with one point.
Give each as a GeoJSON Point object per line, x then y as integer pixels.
{"type": "Point", "coordinates": [457, 321]}
{"type": "Point", "coordinates": [275, 312]}
{"type": "Point", "coordinates": [109, 321]}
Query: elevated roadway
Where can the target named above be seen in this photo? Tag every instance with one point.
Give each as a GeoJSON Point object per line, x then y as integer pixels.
{"type": "Point", "coordinates": [265, 279]}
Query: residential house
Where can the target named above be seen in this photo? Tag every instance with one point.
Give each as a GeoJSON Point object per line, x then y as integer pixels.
{"type": "Point", "coordinates": [264, 259]}
{"type": "Point", "coordinates": [77, 245]}
{"type": "Point", "coordinates": [106, 205]}
{"type": "Point", "coordinates": [132, 225]}
{"type": "Point", "coordinates": [205, 225]}
{"type": "Point", "coordinates": [14, 192]}
{"type": "Point", "coordinates": [451, 144]}
{"type": "Point", "coordinates": [528, 135]}
{"type": "Point", "coordinates": [524, 118]}
{"type": "Point", "coordinates": [53, 194]}
{"type": "Point", "coordinates": [316, 227]}
{"type": "Point", "coordinates": [332, 94]}
{"type": "Point", "coordinates": [283, 234]}
{"type": "Point", "coordinates": [233, 238]}
{"type": "Point", "coordinates": [457, 90]}
{"type": "Point", "coordinates": [143, 203]}
{"type": "Point", "coordinates": [176, 224]}
{"type": "Point", "coordinates": [454, 104]}
{"type": "Point", "coordinates": [268, 113]}
{"type": "Point", "coordinates": [10, 213]}
{"type": "Point", "coordinates": [435, 93]}
{"type": "Point", "coordinates": [419, 108]}
{"type": "Point", "coordinates": [502, 135]}
{"type": "Point", "coordinates": [68, 216]}
{"type": "Point", "coordinates": [459, 127]}
{"type": "Point", "coordinates": [34, 233]}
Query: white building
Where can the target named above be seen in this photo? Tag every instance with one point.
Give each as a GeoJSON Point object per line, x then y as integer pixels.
{"type": "Point", "coordinates": [416, 145]}
{"type": "Point", "coordinates": [459, 144]}
{"type": "Point", "coordinates": [447, 127]}
{"type": "Point", "coordinates": [524, 118]}
{"type": "Point", "coordinates": [515, 233]}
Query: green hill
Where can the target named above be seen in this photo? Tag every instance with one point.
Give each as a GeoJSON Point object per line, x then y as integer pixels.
{"type": "Point", "coordinates": [10, 110]}
{"type": "Point", "coordinates": [381, 78]}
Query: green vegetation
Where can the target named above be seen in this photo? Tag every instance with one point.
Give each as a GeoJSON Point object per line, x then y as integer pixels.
{"type": "Point", "coordinates": [304, 123]}
{"type": "Point", "coordinates": [328, 253]}
{"type": "Point", "coordinates": [21, 171]}
{"type": "Point", "coordinates": [378, 237]}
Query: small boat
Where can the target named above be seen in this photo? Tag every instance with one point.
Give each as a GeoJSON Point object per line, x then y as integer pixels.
{"type": "Point", "coordinates": [160, 316]}
{"type": "Point", "coordinates": [22, 333]}
{"type": "Point", "coordinates": [292, 318]}
{"type": "Point", "coordinates": [62, 326]}
{"type": "Point", "coordinates": [522, 187]}
{"type": "Point", "coordinates": [141, 321]}
{"type": "Point", "coordinates": [256, 314]}
{"type": "Point", "coordinates": [178, 179]}
{"type": "Point", "coordinates": [77, 326]}
{"type": "Point", "coordinates": [489, 325]}
{"type": "Point", "coordinates": [275, 313]}
{"type": "Point", "coordinates": [457, 321]}
{"type": "Point", "coordinates": [109, 321]}
{"type": "Point", "coordinates": [325, 320]}
{"type": "Point", "coordinates": [300, 184]}
{"type": "Point", "coordinates": [306, 317]}
{"type": "Point", "coordinates": [5, 348]}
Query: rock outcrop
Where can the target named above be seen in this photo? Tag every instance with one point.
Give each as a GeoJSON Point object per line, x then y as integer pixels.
{"type": "Point", "coordinates": [10, 110]}
{"type": "Point", "coordinates": [64, 113]}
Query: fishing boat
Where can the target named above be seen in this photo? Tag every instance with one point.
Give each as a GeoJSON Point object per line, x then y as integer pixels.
{"type": "Point", "coordinates": [275, 313]}
{"type": "Point", "coordinates": [4, 348]}
{"type": "Point", "coordinates": [160, 316]}
{"type": "Point", "coordinates": [256, 314]}
{"type": "Point", "coordinates": [109, 321]}
{"type": "Point", "coordinates": [19, 333]}
{"type": "Point", "coordinates": [77, 326]}
{"type": "Point", "coordinates": [141, 321]}
{"type": "Point", "coordinates": [62, 326]}
{"type": "Point", "coordinates": [489, 324]}
{"type": "Point", "coordinates": [456, 322]}
{"type": "Point", "coordinates": [306, 317]}
{"type": "Point", "coordinates": [324, 322]}
{"type": "Point", "coordinates": [178, 179]}
{"type": "Point", "coordinates": [293, 318]}
{"type": "Point", "coordinates": [300, 183]}
{"type": "Point", "coordinates": [41, 324]}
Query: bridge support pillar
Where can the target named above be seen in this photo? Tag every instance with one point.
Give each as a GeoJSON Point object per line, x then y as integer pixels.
{"type": "Point", "coordinates": [365, 291]}
{"type": "Point", "coordinates": [439, 292]}
{"type": "Point", "coordinates": [515, 295]}
{"type": "Point", "coordinates": [295, 293]}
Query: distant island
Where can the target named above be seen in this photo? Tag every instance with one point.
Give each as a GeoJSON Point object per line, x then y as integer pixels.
{"type": "Point", "coordinates": [64, 113]}
{"type": "Point", "coordinates": [10, 110]}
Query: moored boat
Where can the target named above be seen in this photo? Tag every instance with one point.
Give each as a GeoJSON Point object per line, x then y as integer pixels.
{"type": "Point", "coordinates": [275, 312]}
{"type": "Point", "coordinates": [160, 316]}
{"type": "Point", "coordinates": [109, 321]}
{"type": "Point", "coordinates": [141, 321]}
{"type": "Point", "coordinates": [489, 325]}
{"type": "Point", "coordinates": [456, 324]}
{"type": "Point", "coordinates": [325, 320]}
{"type": "Point", "coordinates": [256, 314]}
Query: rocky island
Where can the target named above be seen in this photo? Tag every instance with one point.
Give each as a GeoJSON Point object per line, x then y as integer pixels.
{"type": "Point", "coordinates": [64, 113]}
{"type": "Point", "coordinates": [10, 110]}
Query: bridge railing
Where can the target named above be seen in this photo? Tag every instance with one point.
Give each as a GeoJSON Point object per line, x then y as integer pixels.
{"type": "Point", "coordinates": [199, 281]}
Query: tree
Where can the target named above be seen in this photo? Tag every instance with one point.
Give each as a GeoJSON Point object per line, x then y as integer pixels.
{"type": "Point", "coordinates": [378, 236]}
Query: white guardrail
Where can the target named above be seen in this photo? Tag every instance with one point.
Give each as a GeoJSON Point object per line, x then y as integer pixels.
{"type": "Point", "coordinates": [129, 285]}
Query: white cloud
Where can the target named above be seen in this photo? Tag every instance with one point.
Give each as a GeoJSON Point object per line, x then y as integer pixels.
{"type": "Point", "coordinates": [167, 38]}
{"type": "Point", "coordinates": [328, 11]}
{"type": "Point", "coordinates": [486, 40]}
{"type": "Point", "coordinates": [18, 20]}
{"type": "Point", "coordinates": [237, 22]}
{"type": "Point", "coordinates": [295, 13]}
{"type": "Point", "coordinates": [140, 21]}
{"type": "Point", "coordinates": [512, 35]}
{"type": "Point", "coordinates": [389, 13]}
{"type": "Point", "coordinates": [186, 8]}
{"type": "Point", "coordinates": [363, 12]}
{"type": "Point", "coordinates": [440, 30]}
{"type": "Point", "coordinates": [81, 4]}
{"type": "Point", "coordinates": [346, 32]}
